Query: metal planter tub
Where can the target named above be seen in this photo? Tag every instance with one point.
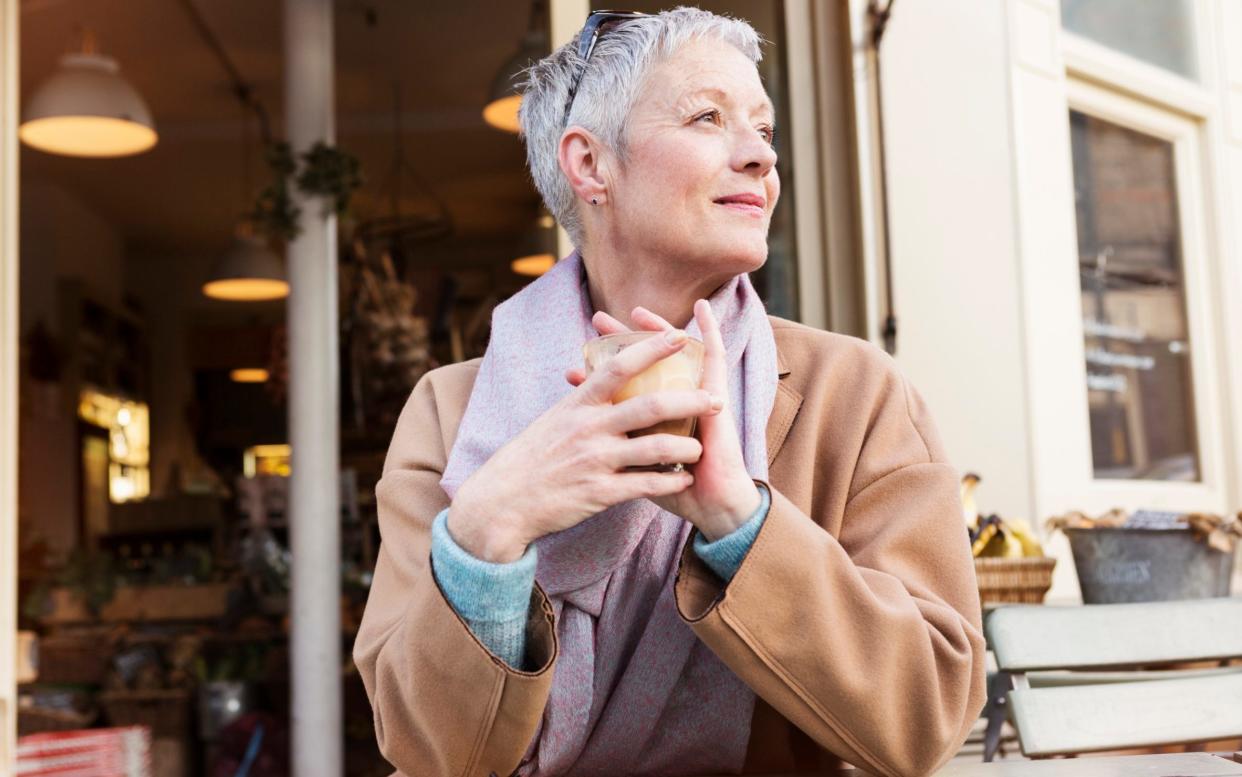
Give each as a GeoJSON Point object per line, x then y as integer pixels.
{"type": "Point", "coordinates": [1147, 565]}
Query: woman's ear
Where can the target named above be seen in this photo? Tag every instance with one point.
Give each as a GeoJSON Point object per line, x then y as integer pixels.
{"type": "Point", "coordinates": [581, 160]}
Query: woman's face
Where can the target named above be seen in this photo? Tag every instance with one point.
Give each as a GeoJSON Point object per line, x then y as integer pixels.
{"type": "Point", "coordinates": [700, 182]}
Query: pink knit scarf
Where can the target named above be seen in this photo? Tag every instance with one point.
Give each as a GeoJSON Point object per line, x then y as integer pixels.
{"type": "Point", "coordinates": [634, 691]}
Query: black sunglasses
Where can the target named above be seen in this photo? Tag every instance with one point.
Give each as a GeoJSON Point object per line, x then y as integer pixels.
{"type": "Point", "coordinates": [592, 31]}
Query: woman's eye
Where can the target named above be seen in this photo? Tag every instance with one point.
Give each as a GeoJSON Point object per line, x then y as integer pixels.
{"type": "Point", "coordinates": [713, 115]}
{"type": "Point", "coordinates": [769, 134]}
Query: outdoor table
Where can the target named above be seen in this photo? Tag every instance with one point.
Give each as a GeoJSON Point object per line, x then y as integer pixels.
{"type": "Point", "coordinates": [1161, 765]}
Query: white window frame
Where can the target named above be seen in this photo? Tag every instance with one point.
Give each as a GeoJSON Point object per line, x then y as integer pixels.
{"type": "Point", "coordinates": [1198, 267]}
{"type": "Point", "coordinates": [1089, 60]}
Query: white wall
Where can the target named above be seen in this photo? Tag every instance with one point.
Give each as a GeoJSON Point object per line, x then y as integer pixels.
{"type": "Point", "coordinates": [984, 252]}
{"type": "Point", "coordinates": [955, 265]}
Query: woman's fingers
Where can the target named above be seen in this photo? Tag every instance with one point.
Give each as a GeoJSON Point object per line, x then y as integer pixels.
{"type": "Point", "coordinates": [648, 320]}
{"type": "Point", "coordinates": [715, 374]}
{"type": "Point", "coordinates": [575, 376]}
{"type": "Point", "coordinates": [649, 409]}
{"type": "Point", "coordinates": [606, 381]}
{"type": "Point", "coordinates": [607, 325]}
{"type": "Point", "coordinates": [658, 449]}
{"type": "Point", "coordinates": [641, 485]}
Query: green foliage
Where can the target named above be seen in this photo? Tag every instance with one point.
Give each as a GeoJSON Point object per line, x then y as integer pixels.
{"type": "Point", "coordinates": [330, 173]}
{"type": "Point", "coordinates": [323, 171]}
{"type": "Point", "coordinates": [91, 575]}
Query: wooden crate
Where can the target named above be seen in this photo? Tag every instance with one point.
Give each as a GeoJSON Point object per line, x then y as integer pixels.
{"type": "Point", "coordinates": [167, 713]}
{"type": "Point", "coordinates": [74, 658]}
{"type": "Point", "coordinates": [144, 603]}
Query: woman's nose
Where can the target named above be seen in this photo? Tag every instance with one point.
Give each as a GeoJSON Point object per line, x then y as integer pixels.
{"type": "Point", "coordinates": [754, 154]}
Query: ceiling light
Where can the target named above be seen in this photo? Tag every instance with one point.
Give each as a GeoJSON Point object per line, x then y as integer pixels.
{"type": "Point", "coordinates": [249, 272]}
{"type": "Point", "coordinates": [87, 109]}
{"type": "Point", "coordinates": [505, 98]}
{"type": "Point", "coordinates": [533, 265]}
{"type": "Point", "coordinates": [249, 375]}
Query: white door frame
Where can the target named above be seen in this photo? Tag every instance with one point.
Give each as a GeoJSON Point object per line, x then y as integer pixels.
{"type": "Point", "coordinates": [8, 381]}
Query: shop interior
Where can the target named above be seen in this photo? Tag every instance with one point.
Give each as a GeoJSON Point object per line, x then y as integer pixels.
{"type": "Point", "coordinates": [154, 456]}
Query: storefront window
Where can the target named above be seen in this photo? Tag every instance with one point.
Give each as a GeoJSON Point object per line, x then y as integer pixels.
{"type": "Point", "coordinates": [777, 280]}
{"type": "Point", "coordinates": [1139, 384]}
{"type": "Point", "coordinates": [1160, 32]}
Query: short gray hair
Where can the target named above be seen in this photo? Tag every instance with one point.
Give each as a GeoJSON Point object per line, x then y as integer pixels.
{"type": "Point", "coordinates": [607, 91]}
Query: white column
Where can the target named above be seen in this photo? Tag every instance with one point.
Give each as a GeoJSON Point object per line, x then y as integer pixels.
{"type": "Point", "coordinates": [313, 414]}
{"type": "Point", "coordinates": [8, 381]}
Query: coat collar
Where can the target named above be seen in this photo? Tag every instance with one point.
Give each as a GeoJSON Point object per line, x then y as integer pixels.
{"type": "Point", "coordinates": [784, 408]}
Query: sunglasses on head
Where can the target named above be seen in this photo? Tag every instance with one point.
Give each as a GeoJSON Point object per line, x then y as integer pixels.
{"type": "Point", "coordinates": [596, 25]}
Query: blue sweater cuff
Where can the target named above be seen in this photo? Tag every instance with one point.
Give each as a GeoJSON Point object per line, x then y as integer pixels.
{"type": "Point", "coordinates": [725, 555]}
{"type": "Point", "coordinates": [478, 590]}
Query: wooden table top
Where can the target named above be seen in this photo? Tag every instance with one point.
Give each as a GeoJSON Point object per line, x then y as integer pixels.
{"type": "Point", "coordinates": [1162, 765]}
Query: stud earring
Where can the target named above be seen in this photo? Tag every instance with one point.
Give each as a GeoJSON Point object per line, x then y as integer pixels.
{"type": "Point", "coordinates": [594, 201]}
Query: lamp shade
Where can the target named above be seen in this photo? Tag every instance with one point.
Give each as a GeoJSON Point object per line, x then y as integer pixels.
{"type": "Point", "coordinates": [87, 109]}
{"type": "Point", "coordinates": [249, 272]}
{"type": "Point", "coordinates": [505, 97]}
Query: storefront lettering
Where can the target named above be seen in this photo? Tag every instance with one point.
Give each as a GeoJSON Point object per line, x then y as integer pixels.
{"type": "Point", "coordinates": [1127, 360]}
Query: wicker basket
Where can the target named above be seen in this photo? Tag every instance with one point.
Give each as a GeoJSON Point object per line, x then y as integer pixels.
{"type": "Point", "coordinates": [165, 712]}
{"type": "Point", "coordinates": [1014, 580]}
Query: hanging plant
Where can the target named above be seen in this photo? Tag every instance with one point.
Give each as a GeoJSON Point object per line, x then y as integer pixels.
{"type": "Point", "coordinates": [323, 171]}
{"type": "Point", "coordinates": [274, 213]}
{"type": "Point", "coordinates": [331, 173]}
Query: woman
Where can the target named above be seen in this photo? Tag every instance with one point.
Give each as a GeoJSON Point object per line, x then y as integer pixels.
{"type": "Point", "coordinates": [801, 594]}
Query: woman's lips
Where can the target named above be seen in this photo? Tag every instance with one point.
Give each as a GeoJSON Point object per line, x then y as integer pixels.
{"type": "Point", "coordinates": [749, 204]}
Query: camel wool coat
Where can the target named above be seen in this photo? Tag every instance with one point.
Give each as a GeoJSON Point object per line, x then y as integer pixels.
{"type": "Point", "coordinates": [854, 617]}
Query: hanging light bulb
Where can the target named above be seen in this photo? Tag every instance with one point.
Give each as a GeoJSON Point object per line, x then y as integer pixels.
{"type": "Point", "coordinates": [249, 272]}
{"type": "Point", "coordinates": [87, 109]}
{"type": "Point", "coordinates": [504, 100]}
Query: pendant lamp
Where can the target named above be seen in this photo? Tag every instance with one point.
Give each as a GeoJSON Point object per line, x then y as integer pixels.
{"type": "Point", "coordinates": [540, 243]}
{"type": "Point", "coordinates": [504, 98]}
{"type": "Point", "coordinates": [248, 272]}
{"type": "Point", "coordinates": [86, 109]}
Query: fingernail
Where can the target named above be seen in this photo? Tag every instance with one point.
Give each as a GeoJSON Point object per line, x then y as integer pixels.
{"type": "Point", "coordinates": [674, 336]}
{"type": "Point", "coordinates": [717, 403]}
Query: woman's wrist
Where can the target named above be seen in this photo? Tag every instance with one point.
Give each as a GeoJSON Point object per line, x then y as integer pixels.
{"type": "Point", "coordinates": [737, 510]}
{"type": "Point", "coordinates": [484, 533]}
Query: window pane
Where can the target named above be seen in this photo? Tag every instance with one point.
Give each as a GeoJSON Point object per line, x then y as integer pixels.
{"type": "Point", "coordinates": [1133, 304]}
{"type": "Point", "coordinates": [1160, 32]}
{"type": "Point", "coordinates": [777, 280]}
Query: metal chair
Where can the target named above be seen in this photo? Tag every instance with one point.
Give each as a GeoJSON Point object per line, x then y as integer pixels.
{"type": "Point", "coordinates": [1098, 677]}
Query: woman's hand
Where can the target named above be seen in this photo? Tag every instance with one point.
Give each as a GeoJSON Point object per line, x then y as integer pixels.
{"type": "Point", "coordinates": [569, 464]}
{"type": "Point", "coordinates": [722, 496]}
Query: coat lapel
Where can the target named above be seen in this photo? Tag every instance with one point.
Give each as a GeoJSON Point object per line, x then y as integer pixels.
{"type": "Point", "coordinates": [784, 408]}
